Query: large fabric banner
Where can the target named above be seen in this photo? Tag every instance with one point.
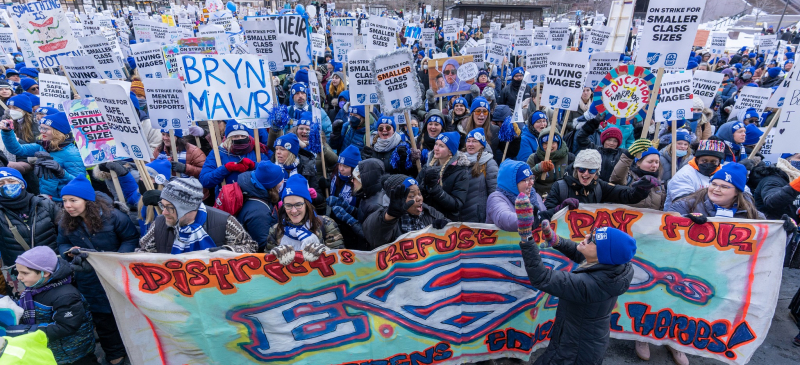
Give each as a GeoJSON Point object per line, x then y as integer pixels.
{"type": "Point", "coordinates": [459, 294]}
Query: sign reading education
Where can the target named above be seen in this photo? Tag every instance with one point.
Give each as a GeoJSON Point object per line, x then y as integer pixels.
{"type": "Point", "coordinates": [566, 73]}
{"type": "Point", "coordinates": [669, 30]}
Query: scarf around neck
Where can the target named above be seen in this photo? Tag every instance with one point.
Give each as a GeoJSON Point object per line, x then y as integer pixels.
{"type": "Point", "coordinates": [297, 236]}
{"type": "Point", "coordinates": [193, 237]}
{"type": "Point", "coordinates": [27, 303]}
{"type": "Point", "coordinates": [383, 145]}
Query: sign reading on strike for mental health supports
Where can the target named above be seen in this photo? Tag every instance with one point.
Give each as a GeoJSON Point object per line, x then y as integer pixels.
{"type": "Point", "coordinates": [397, 85]}
{"type": "Point", "coordinates": [92, 136]}
{"type": "Point", "coordinates": [536, 63]}
{"type": "Point", "coordinates": [705, 85]}
{"type": "Point", "coordinates": [597, 39]}
{"type": "Point", "coordinates": [54, 90]}
{"type": "Point", "coordinates": [227, 86]}
{"type": "Point", "coordinates": [566, 73]}
{"type": "Point", "coordinates": [294, 38]}
{"type": "Point", "coordinates": [416, 299]}
{"type": "Point", "coordinates": [166, 103]}
{"type": "Point", "coordinates": [669, 29]}
{"type": "Point", "coordinates": [149, 60]}
{"type": "Point", "coordinates": [751, 97]}
{"type": "Point", "coordinates": [675, 97]}
{"type": "Point", "coordinates": [362, 81]}
{"type": "Point", "coordinates": [114, 101]}
{"type": "Point", "coordinates": [7, 42]}
{"type": "Point", "coordinates": [381, 34]}
{"type": "Point", "coordinates": [49, 34]}
{"type": "Point", "coordinates": [599, 65]}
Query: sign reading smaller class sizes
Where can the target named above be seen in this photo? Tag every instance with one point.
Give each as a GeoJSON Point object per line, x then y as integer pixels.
{"type": "Point", "coordinates": [624, 93]}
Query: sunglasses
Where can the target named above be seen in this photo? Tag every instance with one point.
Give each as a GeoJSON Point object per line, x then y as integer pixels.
{"type": "Point", "coordinates": [481, 112]}
{"type": "Point", "coordinates": [449, 72]}
{"type": "Point", "coordinates": [583, 170]}
{"type": "Point", "coordinates": [386, 128]}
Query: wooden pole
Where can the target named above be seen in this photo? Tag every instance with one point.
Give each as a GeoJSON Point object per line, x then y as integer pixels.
{"type": "Point", "coordinates": [322, 158]}
{"type": "Point", "coordinates": [258, 145]}
{"type": "Point", "coordinates": [117, 186]}
{"type": "Point", "coordinates": [173, 146]}
{"type": "Point", "coordinates": [212, 131]}
{"type": "Point", "coordinates": [71, 85]}
{"type": "Point", "coordinates": [368, 135]}
{"type": "Point", "coordinates": [674, 149]}
{"type": "Point", "coordinates": [651, 104]}
{"type": "Point", "coordinates": [553, 126]}
{"type": "Point", "coordinates": [763, 138]}
{"type": "Point", "coordinates": [564, 122]}
{"type": "Point", "coordinates": [411, 138]}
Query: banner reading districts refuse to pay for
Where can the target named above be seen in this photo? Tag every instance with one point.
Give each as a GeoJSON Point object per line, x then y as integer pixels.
{"type": "Point", "coordinates": [693, 289]}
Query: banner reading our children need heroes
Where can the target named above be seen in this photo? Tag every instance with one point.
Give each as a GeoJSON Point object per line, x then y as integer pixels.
{"type": "Point", "coordinates": [459, 294]}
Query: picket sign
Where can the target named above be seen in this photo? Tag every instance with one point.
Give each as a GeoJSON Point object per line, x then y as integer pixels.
{"type": "Point", "coordinates": [368, 135]}
{"type": "Point", "coordinates": [763, 138]}
{"type": "Point", "coordinates": [564, 122]}
{"type": "Point", "coordinates": [553, 126]}
{"type": "Point", "coordinates": [651, 105]}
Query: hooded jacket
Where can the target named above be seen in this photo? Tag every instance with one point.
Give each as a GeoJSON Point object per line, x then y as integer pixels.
{"type": "Point", "coordinates": [543, 186]}
{"type": "Point", "coordinates": [608, 193]}
{"type": "Point", "coordinates": [449, 197]}
{"type": "Point", "coordinates": [529, 143]}
{"type": "Point", "coordinates": [772, 193]}
{"type": "Point", "coordinates": [666, 162]}
{"type": "Point", "coordinates": [480, 187]}
{"type": "Point", "coordinates": [257, 214]}
{"type": "Point", "coordinates": [379, 231]}
{"type": "Point", "coordinates": [41, 228]}
{"type": "Point", "coordinates": [371, 195]}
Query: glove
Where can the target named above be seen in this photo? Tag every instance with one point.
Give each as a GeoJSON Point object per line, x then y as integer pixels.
{"type": "Point", "coordinates": [218, 248]}
{"type": "Point", "coordinates": [113, 166]}
{"type": "Point", "coordinates": [284, 254]}
{"type": "Point", "coordinates": [55, 168]}
{"type": "Point", "coordinates": [750, 163]}
{"type": "Point", "coordinates": [545, 166]}
{"type": "Point", "coordinates": [439, 223]}
{"type": "Point", "coordinates": [312, 192]}
{"type": "Point", "coordinates": [313, 250]}
{"type": "Point", "coordinates": [178, 167]}
{"type": "Point", "coordinates": [334, 201]}
{"type": "Point", "coordinates": [342, 215]}
{"type": "Point", "coordinates": [79, 262]}
{"type": "Point", "coordinates": [572, 203]}
{"type": "Point", "coordinates": [398, 204]}
{"type": "Point", "coordinates": [415, 154]}
{"type": "Point", "coordinates": [638, 146]}
{"type": "Point", "coordinates": [525, 216]}
{"type": "Point", "coordinates": [196, 131]}
{"type": "Point", "coordinates": [323, 182]}
{"type": "Point", "coordinates": [151, 197]}
{"type": "Point", "coordinates": [431, 177]}
{"type": "Point", "coordinates": [42, 155]}
{"type": "Point", "coordinates": [647, 182]}
{"type": "Point", "coordinates": [248, 164]}
{"type": "Point", "coordinates": [549, 238]}
{"type": "Point", "coordinates": [697, 218]}
{"type": "Point", "coordinates": [235, 167]}
{"type": "Point", "coordinates": [789, 225]}
{"type": "Point", "coordinates": [367, 152]}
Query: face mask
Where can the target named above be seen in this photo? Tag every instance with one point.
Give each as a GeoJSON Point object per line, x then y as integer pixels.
{"type": "Point", "coordinates": [416, 132]}
{"type": "Point", "coordinates": [241, 141]}
{"type": "Point", "coordinates": [706, 169]}
{"type": "Point", "coordinates": [18, 59]}
{"type": "Point", "coordinates": [355, 121]}
{"type": "Point", "coordinates": [795, 164]}
{"type": "Point", "coordinates": [344, 178]}
{"type": "Point", "coordinates": [681, 153]}
{"type": "Point", "coordinates": [11, 190]}
{"type": "Point", "coordinates": [16, 114]}
{"type": "Point", "coordinates": [697, 116]}
{"type": "Point", "coordinates": [342, 103]}
{"type": "Point", "coordinates": [746, 77]}
{"type": "Point", "coordinates": [516, 82]}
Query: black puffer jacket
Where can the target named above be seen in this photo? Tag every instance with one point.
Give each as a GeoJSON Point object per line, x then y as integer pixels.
{"type": "Point", "coordinates": [386, 158]}
{"type": "Point", "coordinates": [772, 193]}
{"type": "Point", "coordinates": [449, 196]}
{"type": "Point", "coordinates": [509, 94]}
{"type": "Point", "coordinates": [379, 231]}
{"type": "Point", "coordinates": [371, 196]}
{"type": "Point", "coordinates": [41, 225]}
{"type": "Point", "coordinates": [610, 156]}
{"type": "Point", "coordinates": [586, 298]}
{"type": "Point", "coordinates": [608, 193]}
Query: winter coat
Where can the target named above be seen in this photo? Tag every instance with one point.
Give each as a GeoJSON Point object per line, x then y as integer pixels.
{"type": "Point", "coordinates": [294, 114]}
{"type": "Point", "coordinates": [728, 91]}
{"type": "Point", "coordinates": [212, 176]}
{"type": "Point", "coordinates": [257, 214]}
{"type": "Point", "coordinates": [666, 163]}
{"type": "Point", "coordinates": [773, 195]}
{"type": "Point", "coordinates": [767, 81]}
{"type": "Point", "coordinates": [686, 181]}
{"type": "Point", "coordinates": [528, 145]}
{"type": "Point", "coordinates": [509, 94]}
{"type": "Point", "coordinates": [501, 212]}
{"type": "Point", "coordinates": [386, 158]}
{"type": "Point", "coordinates": [118, 234]}
{"type": "Point", "coordinates": [687, 205]}
{"type": "Point", "coordinates": [379, 231]}
{"type": "Point", "coordinates": [624, 175]}
{"type": "Point", "coordinates": [586, 297]}
{"type": "Point", "coordinates": [480, 187]}
{"type": "Point", "coordinates": [570, 187]}
{"type": "Point", "coordinates": [194, 158]}
{"type": "Point", "coordinates": [609, 156]}
{"type": "Point", "coordinates": [328, 234]}
{"type": "Point", "coordinates": [68, 157]}
{"type": "Point", "coordinates": [561, 166]}
{"type": "Point", "coordinates": [41, 228]}
{"type": "Point", "coordinates": [64, 316]}
{"type": "Point", "coordinates": [449, 196]}
{"type": "Point", "coordinates": [352, 136]}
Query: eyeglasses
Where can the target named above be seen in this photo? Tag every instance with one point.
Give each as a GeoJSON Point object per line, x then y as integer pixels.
{"type": "Point", "coordinates": [715, 186]}
{"type": "Point", "coordinates": [583, 170]}
{"type": "Point", "coordinates": [481, 112]}
{"type": "Point", "coordinates": [170, 208]}
{"type": "Point", "coordinates": [449, 72]}
{"type": "Point", "coordinates": [296, 206]}
{"type": "Point", "coordinates": [386, 128]}
{"type": "Point", "coordinates": [34, 88]}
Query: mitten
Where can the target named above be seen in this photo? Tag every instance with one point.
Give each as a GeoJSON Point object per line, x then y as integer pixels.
{"type": "Point", "coordinates": [151, 197]}
{"type": "Point", "coordinates": [342, 215]}
{"type": "Point", "coordinates": [235, 167]}
{"type": "Point", "coordinates": [697, 218]}
{"type": "Point", "coordinates": [525, 216]}
{"type": "Point", "coordinates": [549, 238]}
{"type": "Point", "coordinates": [178, 167]}
{"type": "Point", "coordinates": [546, 166]}
{"type": "Point", "coordinates": [334, 201]}
{"type": "Point", "coordinates": [248, 163]}
{"type": "Point", "coordinates": [398, 205]}
{"type": "Point", "coordinates": [640, 145]}
{"type": "Point", "coordinates": [440, 223]}
{"type": "Point", "coordinates": [284, 254]}
{"type": "Point", "coordinates": [196, 131]}
{"type": "Point", "coordinates": [312, 192]}
{"type": "Point", "coordinates": [789, 224]}
{"type": "Point", "coordinates": [55, 168]}
{"type": "Point", "coordinates": [431, 177]}
{"type": "Point", "coordinates": [571, 203]}
{"type": "Point", "coordinates": [415, 154]}
{"type": "Point", "coordinates": [312, 251]}
{"type": "Point", "coordinates": [113, 166]}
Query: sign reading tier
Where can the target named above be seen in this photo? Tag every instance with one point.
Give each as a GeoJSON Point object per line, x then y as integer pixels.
{"type": "Point", "coordinates": [397, 85]}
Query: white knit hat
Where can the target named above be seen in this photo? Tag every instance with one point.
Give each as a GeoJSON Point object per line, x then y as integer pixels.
{"type": "Point", "coordinates": [698, 103]}
{"type": "Point", "coordinates": [588, 159]}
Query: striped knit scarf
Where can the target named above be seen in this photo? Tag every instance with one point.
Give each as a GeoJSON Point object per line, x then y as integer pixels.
{"type": "Point", "coordinates": [193, 237]}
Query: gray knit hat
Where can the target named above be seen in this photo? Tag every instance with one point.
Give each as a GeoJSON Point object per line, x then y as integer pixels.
{"type": "Point", "coordinates": [186, 194]}
{"type": "Point", "coordinates": [588, 159]}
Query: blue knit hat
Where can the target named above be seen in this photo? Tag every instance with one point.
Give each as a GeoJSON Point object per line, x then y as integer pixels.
{"type": "Point", "coordinates": [178, 132]}
{"type": "Point", "coordinates": [21, 101]}
{"type": "Point", "coordinates": [648, 152]}
{"type": "Point", "coordinates": [268, 174]}
{"type": "Point", "coordinates": [35, 101]}
{"type": "Point", "coordinates": [351, 156]}
{"type": "Point", "coordinates": [163, 169]}
{"type": "Point", "coordinates": [479, 135]}
{"type": "Point", "coordinates": [518, 70]}
{"type": "Point", "coordinates": [79, 187]}
{"type": "Point", "coordinates": [480, 102]}
{"type": "Point", "coordinates": [57, 121]}
{"type": "Point", "coordinates": [543, 138]}
{"type": "Point", "coordinates": [358, 110]}
{"type": "Point", "coordinates": [289, 142]}
{"type": "Point", "coordinates": [301, 76]}
{"type": "Point", "coordinates": [614, 247]}
{"type": "Point", "coordinates": [299, 87]}
{"type": "Point", "coordinates": [6, 172]}
{"type": "Point", "coordinates": [451, 140]}
{"type": "Point", "coordinates": [774, 72]}
{"type": "Point", "coordinates": [409, 181]}
{"type": "Point", "coordinates": [384, 119]}
{"type": "Point", "coordinates": [296, 185]}
{"type": "Point", "coordinates": [30, 72]}
{"type": "Point", "coordinates": [538, 115]}
{"type": "Point", "coordinates": [234, 128]}
{"type": "Point", "coordinates": [511, 172]}
{"type": "Point", "coordinates": [750, 113]}
{"type": "Point", "coordinates": [753, 135]}
{"type": "Point", "coordinates": [305, 119]}
{"type": "Point", "coordinates": [11, 72]}
{"type": "Point", "coordinates": [734, 173]}
{"type": "Point", "coordinates": [345, 95]}
{"type": "Point", "coordinates": [460, 100]}
{"type": "Point", "coordinates": [682, 135]}
{"type": "Point", "coordinates": [692, 65]}
{"type": "Point", "coordinates": [46, 110]}
{"type": "Point", "coordinates": [27, 83]}
{"type": "Point", "coordinates": [435, 119]}
{"type": "Point", "coordinates": [750, 69]}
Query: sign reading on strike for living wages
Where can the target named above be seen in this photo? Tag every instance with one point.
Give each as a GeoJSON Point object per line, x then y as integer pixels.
{"type": "Point", "coordinates": [705, 84]}
{"type": "Point", "coordinates": [415, 300]}
{"type": "Point", "coordinates": [362, 81]}
{"type": "Point", "coordinates": [49, 34]}
{"type": "Point", "coordinates": [669, 31]}
{"type": "Point", "coordinates": [92, 136]}
{"type": "Point", "coordinates": [149, 60]}
{"type": "Point", "coordinates": [674, 97]}
{"type": "Point", "coordinates": [81, 70]}
{"type": "Point", "coordinates": [599, 65]}
{"type": "Point", "coordinates": [751, 97]}
{"type": "Point", "coordinates": [718, 42]}
{"type": "Point", "coordinates": [114, 101]}
{"type": "Point", "coordinates": [227, 86]}
{"type": "Point", "coordinates": [54, 90]}
{"type": "Point", "coordinates": [166, 103]}
{"type": "Point", "coordinates": [397, 85]}
{"type": "Point", "coordinates": [566, 73]}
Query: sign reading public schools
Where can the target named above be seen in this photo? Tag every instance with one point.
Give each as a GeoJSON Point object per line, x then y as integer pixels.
{"type": "Point", "coordinates": [669, 31]}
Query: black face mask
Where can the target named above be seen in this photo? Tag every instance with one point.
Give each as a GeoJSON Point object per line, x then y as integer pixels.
{"type": "Point", "coordinates": [241, 141]}
{"type": "Point", "coordinates": [355, 122]}
{"type": "Point", "coordinates": [516, 83]}
{"type": "Point", "coordinates": [707, 169]}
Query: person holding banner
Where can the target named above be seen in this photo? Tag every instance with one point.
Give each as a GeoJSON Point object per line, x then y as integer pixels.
{"type": "Point", "coordinates": [723, 197]}
{"type": "Point", "coordinates": [445, 178]}
{"type": "Point", "coordinates": [261, 192]}
{"type": "Point", "coordinates": [631, 169]}
{"type": "Point", "coordinates": [58, 159]}
{"type": "Point", "coordinates": [697, 172]}
{"type": "Point", "coordinates": [237, 154]}
{"type": "Point", "coordinates": [683, 153]}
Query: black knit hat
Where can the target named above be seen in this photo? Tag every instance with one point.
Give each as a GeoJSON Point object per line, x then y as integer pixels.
{"type": "Point", "coordinates": [392, 181]}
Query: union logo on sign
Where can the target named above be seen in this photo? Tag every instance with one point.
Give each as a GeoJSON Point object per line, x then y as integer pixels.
{"type": "Point", "coordinates": [671, 59]}
{"type": "Point", "coordinates": [361, 97]}
{"type": "Point", "coordinates": [652, 58]}
{"type": "Point", "coordinates": [681, 114]}
{"type": "Point", "coordinates": [667, 114]}
{"type": "Point", "coordinates": [565, 103]}
{"type": "Point", "coordinates": [396, 103]}
{"type": "Point", "coordinates": [553, 100]}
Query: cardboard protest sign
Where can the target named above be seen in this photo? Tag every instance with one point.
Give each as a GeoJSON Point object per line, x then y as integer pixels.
{"type": "Point", "coordinates": [669, 31]}
{"type": "Point", "coordinates": [149, 60]}
{"type": "Point", "coordinates": [227, 86]}
{"type": "Point", "coordinates": [381, 34]}
{"type": "Point", "coordinates": [718, 41]}
{"type": "Point", "coordinates": [54, 90]}
{"type": "Point", "coordinates": [92, 136]}
{"type": "Point", "coordinates": [524, 42]}
{"type": "Point", "coordinates": [7, 42]}
{"type": "Point", "coordinates": [318, 45]}
{"type": "Point", "coordinates": [49, 35]}
{"type": "Point", "coordinates": [158, 32]}
{"type": "Point", "coordinates": [495, 53]}
{"type": "Point", "coordinates": [566, 73]}
{"type": "Point", "coordinates": [536, 63]}
{"type": "Point", "coordinates": [199, 45]}
{"type": "Point", "coordinates": [674, 97]}
{"type": "Point", "coordinates": [443, 75]}
{"type": "Point", "coordinates": [751, 97]}
{"type": "Point", "coordinates": [397, 87]}
{"type": "Point", "coordinates": [517, 117]}
{"type": "Point", "coordinates": [412, 33]}
{"type": "Point", "coordinates": [529, 24]}
{"type": "Point", "coordinates": [540, 35]}
{"type": "Point", "coordinates": [624, 93]}
{"type": "Point", "coordinates": [705, 85]}
{"type": "Point", "coordinates": [559, 35]}
{"type": "Point", "coordinates": [81, 70]}
{"type": "Point", "coordinates": [417, 298]}
{"type": "Point", "coordinates": [786, 130]}
{"type": "Point", "coordinates": [362, 81]}
{"type": "Point", "coordinates": [262, 40]}
{"type": "Point", "coordinates": [114, 101]}
{"type": "Point", "coordinates": [478, 54]}
{"type": "Point", "coordinates": [450, 29]}
{"type": "Point", "coordinates": [166, 103]}
{"type": "Point", "coordinates": [220, 37]}
{"type": "Point", "coordinates": [599, 65]}
{"type": "Point", "coordinates": [779, 96]}
{"type": "Point", "coordinates": [468, 71]}
{"type": "Point", "coordinates": [294, 35]}
{"type": "Point", "coordinates": [597, 39]}
{"type": "Point", "coordinates": [97, 46]}
{"type": "Point", "coordinates": [343, 38]}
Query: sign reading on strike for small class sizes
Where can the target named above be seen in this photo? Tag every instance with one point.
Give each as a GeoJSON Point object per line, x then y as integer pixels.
{"type": "Point", "coordinates": [362, 81]}
{"type": "Point", "coordinates": [597, 39]}
{"type": "Point", "coordinates": [92, 137]}
{"type": "Point", "coordinates": [705, 85]}
{"type": "Point", "coordinates": [669, 31]}
{"type": "Point", "coordinates": [381, 34]}
{"type": "Point", "coordinates": [262, 40]}
{"type": "Point", "coordinates": [559, 35]}
{"type": "Point", "coordinates": [397, 85]}
{"type": "Point", "coordinates": [566, 73]}
{"type": "Point", "coordinates": [674, 97]}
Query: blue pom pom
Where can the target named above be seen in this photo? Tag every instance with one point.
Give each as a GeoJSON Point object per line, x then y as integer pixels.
{"type": "Point", "coordinates": [507, 133]}
{"type": "Point", "coordinates": [423, 158]}
{"type": "Point", "coordinates": [314, 142]}
{"type": "Point", "coordinates": [279, 116]}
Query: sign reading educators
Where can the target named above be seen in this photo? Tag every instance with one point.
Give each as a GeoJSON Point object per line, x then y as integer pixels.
{"type": "Point", "coordinates": [669, 30]}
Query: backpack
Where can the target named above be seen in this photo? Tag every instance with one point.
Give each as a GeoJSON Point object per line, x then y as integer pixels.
{"type": "Point", "coordinates": [230, 199]}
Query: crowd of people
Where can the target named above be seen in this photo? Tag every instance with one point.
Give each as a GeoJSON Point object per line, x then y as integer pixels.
{"type": "Point", "coordinates": [348, 188]}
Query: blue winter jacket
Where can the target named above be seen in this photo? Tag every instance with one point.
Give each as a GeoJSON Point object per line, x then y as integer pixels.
{"type": "Point", "coordinates": [727, 92]}
{"type": "Point", "coordinates": [211, 175]}
{"type": "Point", "coordinates": [69, 158]}
{"type": "Point", "coordinates": [294, 113]}
{"type": "Point", "coordinates": [527, 146]}
{"type": "Point", "coordinates": [257, 215]}
{"type": "Point", "coordinates": [352, 136]}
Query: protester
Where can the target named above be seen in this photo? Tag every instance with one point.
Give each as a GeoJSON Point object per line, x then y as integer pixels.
{"type": "Point", "coordinates": [479, 118]}
{"type": "Point", "coordinates": [434, 125]}
{"type": "Point", "coordinates": [553, 169]}
{"type": "Point", "coordinates": [530, 135]}
{"type": "Point", "coordinates": [389, 146]}
{"type": "Point", "coordinates": [342, 192]}
{"type": "Point", "coordinates": [683, 153]}
{"type": "Point", "coordinates": [724, 197]}
{"type": "Point", "coordinates": [648, 163]}
{"type": "Point", "coordinates": [261, 192]}
{"type": "Point", "coordinates": [482, 177]}
{"type": "Point", "coordinates": [695, 175]}
{"type": "Point", "coordinates": [237, 154]}
{"type": "Point", "coordinates": [190, 158]}
{"type": "Point", "coordinates": [445, 179]}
